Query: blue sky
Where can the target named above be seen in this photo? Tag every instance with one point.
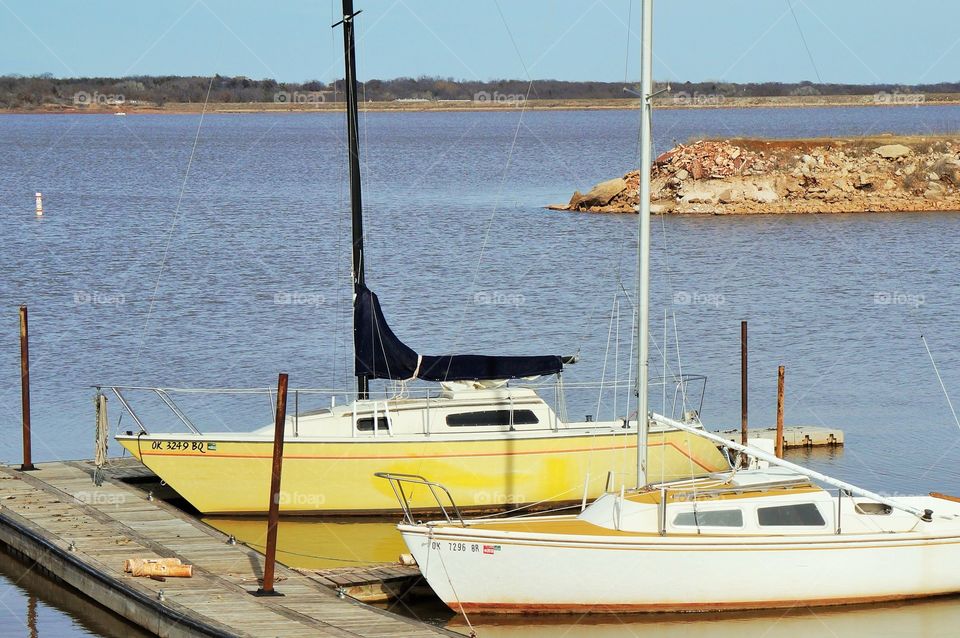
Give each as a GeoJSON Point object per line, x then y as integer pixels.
{"type": "Point", "coordinates": [856, 41]}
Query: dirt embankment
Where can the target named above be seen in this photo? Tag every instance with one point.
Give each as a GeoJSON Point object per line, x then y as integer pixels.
{"type": "Point", "coordinates": [505, 102]}
{"type": "Point", "coordinates": [882, 174]}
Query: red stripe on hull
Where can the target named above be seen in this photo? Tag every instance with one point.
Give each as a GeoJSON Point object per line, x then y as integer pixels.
{"type": "Point", "coordinates": [578, 608]}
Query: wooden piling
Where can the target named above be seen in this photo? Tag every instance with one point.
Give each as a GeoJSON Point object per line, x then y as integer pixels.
{"type": "Point", "coordinates": [743, 388]}
{"type": "Point", "coordinates": [779, 442]}
{"type": "Point", "coordinates": [273, 517]}
{"type": "Point", "coordinates": [25, 390]}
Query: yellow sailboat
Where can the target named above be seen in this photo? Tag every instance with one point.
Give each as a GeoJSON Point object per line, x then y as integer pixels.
{"type": "Point", "coordinates": [498, 445]}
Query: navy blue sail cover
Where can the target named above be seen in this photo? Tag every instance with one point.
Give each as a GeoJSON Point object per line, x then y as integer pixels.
{"type": "Point", "coordinates": [381, 355]}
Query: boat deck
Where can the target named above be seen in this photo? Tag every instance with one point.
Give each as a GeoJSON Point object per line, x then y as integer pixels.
{"type": "Point", "coordinates": [80, 534]}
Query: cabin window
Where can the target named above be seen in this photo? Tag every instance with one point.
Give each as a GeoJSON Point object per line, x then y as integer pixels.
{"type": "Point", "coordinates": [492, 417]}
{"type": "Point", "coordinates": [366, 424]}
{"type": "Point", "coordinates": [873, 508]}
{"type": "Point", "coordinates": [803, 514]}
{"type": "Point", "coordinates": [712, 518]}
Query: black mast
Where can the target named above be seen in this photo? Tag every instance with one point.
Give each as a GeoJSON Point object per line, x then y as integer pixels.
{"type": "Point", "coordinates": [356, 205]}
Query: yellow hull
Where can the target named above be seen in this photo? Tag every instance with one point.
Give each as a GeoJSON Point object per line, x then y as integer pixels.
{"type": "Point", "coordinates": [223, 476]}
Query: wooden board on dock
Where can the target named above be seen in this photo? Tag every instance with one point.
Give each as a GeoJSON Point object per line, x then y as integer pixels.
{"type": "Point", "coordinates": [372, 583]}
{"type": "Point", "coordinates": [81, 534]}
{"type": "Point", "coordinates": [124, 468]}
{"type": "Point", "coordinates": [794, 436]}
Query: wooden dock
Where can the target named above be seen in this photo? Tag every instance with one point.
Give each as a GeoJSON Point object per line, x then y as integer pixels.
{"type": "Point", "coordinates": [794, 436]}
{"type": "Point", "coordinates": [80, 534]}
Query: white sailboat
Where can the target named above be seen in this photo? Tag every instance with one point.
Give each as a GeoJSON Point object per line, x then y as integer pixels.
{"type": "Point", "coordinates": [737, 539]}
{"type": "Point", "coordinates": [500, 445]}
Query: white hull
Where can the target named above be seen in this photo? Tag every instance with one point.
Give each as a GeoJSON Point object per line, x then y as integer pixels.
{"type": "Point", "coordinates": [667, 573]}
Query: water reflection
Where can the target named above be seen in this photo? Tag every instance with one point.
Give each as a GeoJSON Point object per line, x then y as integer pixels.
{"type": "Point", "coordinates": [926, 619]}
{"type": "Point", "coordinates": [37, 607]}
{"type": "Point", "coordinates": [32, 615]}
{"type": "Point", "coordinates": [311, 543]}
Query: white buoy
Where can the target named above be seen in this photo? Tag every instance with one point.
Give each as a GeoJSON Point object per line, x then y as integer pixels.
{"type": "Point", "coordinates": [39, 204]}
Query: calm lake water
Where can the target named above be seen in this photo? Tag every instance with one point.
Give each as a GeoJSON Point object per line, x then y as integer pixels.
{"type": "Point", "coordinates": [32, 606]}
{"type": "Point", "coordinates": [143, 273]}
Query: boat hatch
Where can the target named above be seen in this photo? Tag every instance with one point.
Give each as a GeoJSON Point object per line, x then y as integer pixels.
{"type": "Point", "coordinates": [796, 515]}
{"type": "Point", "coordinates": [715, 518]}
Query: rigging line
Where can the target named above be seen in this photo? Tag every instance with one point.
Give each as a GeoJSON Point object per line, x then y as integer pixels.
{"type": "Point", "coordinates": [616, 363]}
{"type": "Point", "coordinates": [503, 179]}
{"type": "Point", "coordinates": [940, 379]}
{"type": "Point", "coordinates": [663, 376]}
{"type": "Point", "coordinates": [606, 357]}
{"type": "Point", "coordinates": [515, 47]}
{"type": "Point", "coordinates": [804, 40]}
{"type": "Point", "coordinates": [623, 248]}
{"type": "Point", "coordinates": [173, 225]}
{"type": "Point", "coordinates": [260, 546]}
{"type": "Point", "coordinates": [626, 61]}
{"type": "Point", "coordinates": [683, 385]}
{"type": "Point", "coordinates": [630, 394]}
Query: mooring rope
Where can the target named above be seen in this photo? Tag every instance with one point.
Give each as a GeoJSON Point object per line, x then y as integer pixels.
{"type": "Point", "coordinates": [101, 434]}
{"type": "Point", "coordinates": [473, 632]}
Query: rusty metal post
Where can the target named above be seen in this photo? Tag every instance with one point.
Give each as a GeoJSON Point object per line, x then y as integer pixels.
{"type": "Point", "coordinates": [743, 387]}
{"type": "Point", "coordinates": [779, 447]}
{"type": "Point", "coordinates": [25, 390]}
{"type": "Point", "coordinates": [273, 518]}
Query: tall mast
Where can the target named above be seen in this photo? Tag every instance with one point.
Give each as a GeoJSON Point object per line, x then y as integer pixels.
{"type": "Point", "coordinates": [643, 238]}
{"type": "Point", "coordinates": [353, 137]}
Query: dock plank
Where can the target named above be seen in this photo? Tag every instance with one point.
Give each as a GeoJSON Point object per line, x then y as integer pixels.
{"type": "Point", "coordinates": [82, 533]}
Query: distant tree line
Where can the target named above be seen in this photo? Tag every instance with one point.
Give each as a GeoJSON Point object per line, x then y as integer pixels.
{"type": "Point", "coordinates": [25, 92]}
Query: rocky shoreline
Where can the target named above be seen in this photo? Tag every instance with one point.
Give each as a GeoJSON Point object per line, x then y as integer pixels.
{"type": "Point", "coordinates": [880, 174]}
